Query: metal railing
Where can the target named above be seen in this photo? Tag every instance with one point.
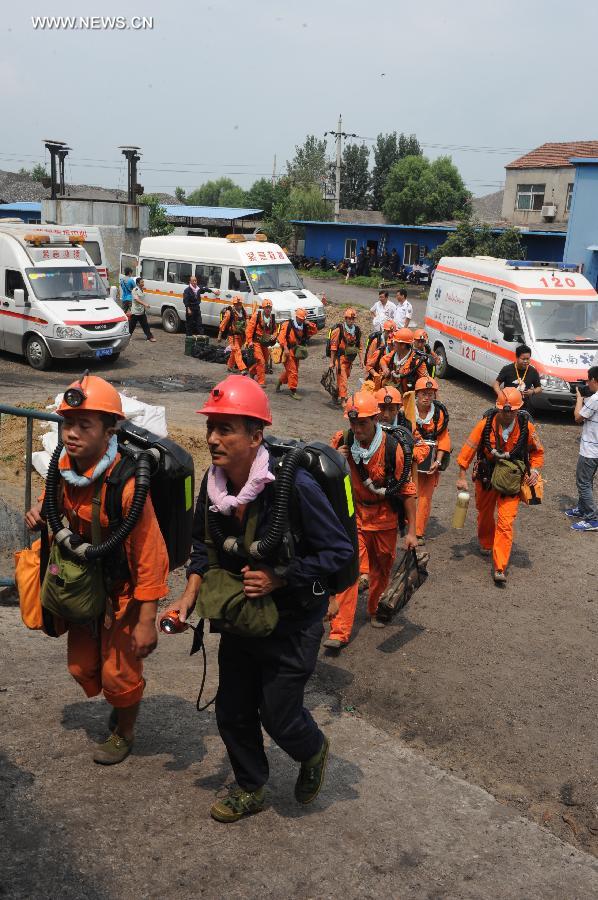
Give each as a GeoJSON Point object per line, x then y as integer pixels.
{"type": "Point", "coordinates": [30, 415]}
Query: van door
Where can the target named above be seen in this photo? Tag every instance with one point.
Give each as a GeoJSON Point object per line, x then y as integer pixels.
{"type": "Point", "coordinates": [13, 319]}
{"type": "Point", "coordinates": [153, 272]}
{"type": "Point", "coordinates": [237, 284]}
{"type": "Point", "coordinates": [508, 318]}
{"type": "Point", "coordinates": [475, 346]}
{"type": "Point", "coordinates": [210, 279]}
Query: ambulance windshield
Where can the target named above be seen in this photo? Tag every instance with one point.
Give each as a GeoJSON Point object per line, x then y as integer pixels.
{"type": "Point", "coordinates": [566, 321]}
{"type": "Point", "coordinates": [66, 283]}
{"type": "Point", "coordinates": [274, 278]}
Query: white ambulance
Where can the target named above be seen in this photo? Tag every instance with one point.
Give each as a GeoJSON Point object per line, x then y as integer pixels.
{"type": "Point", "coordinates": [91, 240]}
{"type": "Point", "coordinates": [53, 303]}
{"type": "Point", "coordinates": [227, 267]}
{"type": "Point", "coordinates": [479, 309]}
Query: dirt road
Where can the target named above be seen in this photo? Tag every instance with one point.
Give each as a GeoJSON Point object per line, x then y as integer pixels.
{"type": "Point", "coordinates": [495, 685]}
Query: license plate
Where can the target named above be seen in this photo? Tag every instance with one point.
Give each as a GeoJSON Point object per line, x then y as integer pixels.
{"type": "Point", "coordinates": [105, 351]}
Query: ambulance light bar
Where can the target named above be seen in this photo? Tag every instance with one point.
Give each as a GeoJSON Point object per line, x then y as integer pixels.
{"type": "Point", "coordinates": [541, 264]}
{"type": "Point", "coordinates": [240, 238]}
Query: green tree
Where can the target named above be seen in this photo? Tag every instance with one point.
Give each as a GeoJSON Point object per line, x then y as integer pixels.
{"type": "Point", "coordinates": [408, 145]}
{"type": "Point", "coordinates": [308, 166]}
{"type": "Point", "coordinates": [418, 190]}
{"type": "Point", "coordinates": [355, 177]}
{"type": "Point", "coordinates": [277, 225]}
{"type": "Point", "coordinates": [38, 172]}
{"type": "Point", "coordinates": [179, 193]}
{"type": "Point", "coordinates": [158, 223]}
{"type": "Point", "coordinates": [475, 239]}
{"type": "Point", "coordinates": [232, 196]}
{"type": "Point", "coordinates": [386, 154]}
{"type": "Point", "coordinates": [216, 193]}
{"type": "Point", "coordinates": [300, 203]}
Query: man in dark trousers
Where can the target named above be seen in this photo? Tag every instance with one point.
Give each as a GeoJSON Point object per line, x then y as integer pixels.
{"type": "Point", "coordinates": [262, 679]}
{"type": "Point", "coordinates": [192, 301]}
{"type": "Point", "coordinates": [521, 375]}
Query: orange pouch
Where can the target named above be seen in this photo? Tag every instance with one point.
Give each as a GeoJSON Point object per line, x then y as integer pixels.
{"type": "Point", "coordinates": [27, 565]}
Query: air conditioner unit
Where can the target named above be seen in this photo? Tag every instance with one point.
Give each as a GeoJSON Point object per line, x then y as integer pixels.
{"type": "Point", "coordinates": [549, 211]}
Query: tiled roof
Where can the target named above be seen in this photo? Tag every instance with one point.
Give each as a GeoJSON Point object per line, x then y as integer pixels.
{"type": "Point", "coordinates": [554, 155]}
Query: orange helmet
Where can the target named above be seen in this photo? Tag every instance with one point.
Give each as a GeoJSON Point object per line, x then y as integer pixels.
{"type": "Point", "coordinates": [92, 394]}
{"type": "Point", "coordinates": [350, 313]}
{"type": "Point", "coordinates": [301, 314]}
{"type": "Point", "coordinates": [403, 336]}
{"type": "Point", "coordinates": [389, 325]}
{"type": "Point", "coordinates": [237, 299]}
{"type": "Point", "coordinates": [266, 302]}
{"type": "Point", "coordinates": [388, 396]}
{"type": "Point", "coordinates": [420, 334]}
{"type": "Point", "coordinates": [362, 405]}
{"type": "Point", "coordinates": [238, 396]}
{"type": "Point", "coordinates": [509, 398]}
{"type": "Point", "coordinates": [426, 383]}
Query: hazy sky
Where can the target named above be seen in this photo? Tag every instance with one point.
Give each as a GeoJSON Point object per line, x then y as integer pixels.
{"type": "Point", "coordinates": [219, 87]}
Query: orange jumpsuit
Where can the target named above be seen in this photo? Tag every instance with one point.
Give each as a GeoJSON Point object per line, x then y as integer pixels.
{"type": "Point", "coordinates": [404, 376]}
{"type": "Point", "coordinates": [232, 324]}
{"type": "Point", "coordinates": [427, 484]}
{"type": "Point", "coordinates": [373, 359]}
{"type": "Point", "coordinates": [288, 338]}
{"type": "Point", "coordinates": [106, 662]}
{"type": "Point", "coordinates": [339, 340]}
{"type": "Point", "coordinates": [498, 536]}
{"type": "Point", "coordinates": [261, 333]}
{"type": "Point", "coordinates": [377, 524]}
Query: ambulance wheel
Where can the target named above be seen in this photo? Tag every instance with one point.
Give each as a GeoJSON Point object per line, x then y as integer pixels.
{"type": "Point", "coordinates": [443, 370]}
{"type": "Point", "coordinates": [171, 321]}
{"type": "Point", "coordinates": [37, 354]}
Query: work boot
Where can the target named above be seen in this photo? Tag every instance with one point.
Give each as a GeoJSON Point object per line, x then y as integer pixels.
{"type": "Point", "coordinates": [421, 541]}
{"type": "Point", "coordinates": [377, 623]}
{"type": "Point", "coordinates": [333, 644]}
{"type": "Point", "coordinates": [363, 583]}
{"type": "Point", "coordinates": [484, 551]}
{"type": "Point", "coordinates": [113, 720]}
{"type": "Point", "coordinates": [238, 803]}
{"type": "Point", "coordinates": [295, 396]}
{"type": "Point", "coordinates": [114, 750]}
{"type": "Point", "coordinates": [500, 577]}
{"type": "Point", "coordinates": [278, 387]}
{"type": "Point", "coordinates": [311, 775]}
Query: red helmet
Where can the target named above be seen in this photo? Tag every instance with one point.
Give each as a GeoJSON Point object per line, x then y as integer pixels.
{"type": "Point", "coordinates": [238, 396]}
{"type": "Point", "coordinates": [403, 336]}
{"type": "Point", "coordinates": [94, 394]}
{"type": "Point", "coordinates": [388, 396]}
{"type": "Point", "coordinates": [361, 405]}
{"type": "Point", "coordinates": [509, 398]}
{"type": "Point", "coordinates": [426, 383]}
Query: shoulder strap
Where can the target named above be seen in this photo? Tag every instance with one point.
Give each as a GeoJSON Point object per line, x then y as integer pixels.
{"type": "Point", "coordinates": [96, 530]}
{"type": "Point", "coordinates": [115, 483]}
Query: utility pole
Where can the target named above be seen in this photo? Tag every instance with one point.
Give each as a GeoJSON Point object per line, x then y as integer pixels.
{"type": "Point", "coordinates": [339, 135]}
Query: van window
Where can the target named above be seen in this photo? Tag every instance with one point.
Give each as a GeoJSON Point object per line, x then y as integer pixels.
{"type": "Point", "coordinates": [509, 317]}
{"type": "Point", "coordinates": [481, 306]}
{"type": "Point", "coordinates": [14, 281]}
{"type": "Point", "coordinates": [237, 280]}
{"type": "Point", "coordinates": [152, 269]}
{"type": "Point", "coordinates": [93, 251]}
{"type": "Point", "coordinates": [179, 272]}
{"type": "Point", "coordinates": [208, 276]}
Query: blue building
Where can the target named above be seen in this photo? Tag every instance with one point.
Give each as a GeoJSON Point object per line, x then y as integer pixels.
{"type": "Point", "coordinates": [413, 243]}
{"type": "Point", "coordinates": [29, 212]}
{"type": "Point", "coordinates": [582, 235]}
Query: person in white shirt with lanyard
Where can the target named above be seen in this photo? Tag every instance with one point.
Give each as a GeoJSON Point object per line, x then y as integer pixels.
{"type": "Point", "coordinates": [382, 310]}
{"type": "Point", "coordinates": [586, 414]}
{"type": "Point", "coordinates": [404, 310]}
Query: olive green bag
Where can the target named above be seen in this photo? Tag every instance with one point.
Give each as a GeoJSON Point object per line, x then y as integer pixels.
{"type": "Point", "coordinates": [507, 476]}
{"type": "Point", "coordinates": [74, 589]}
{"type": "Point", "coordinates": [301, 352]}
{"type": "Point", "coordinates": [221, 598]}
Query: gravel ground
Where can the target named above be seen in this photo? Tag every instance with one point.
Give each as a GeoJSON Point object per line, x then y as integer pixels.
{"type": "Point", "coordinates": [495, 685]}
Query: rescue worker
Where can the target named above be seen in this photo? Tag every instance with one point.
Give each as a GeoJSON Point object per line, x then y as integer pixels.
{"type": "Point", "coordinates": [402, 366]}
{"type": "Point", "coordinates": [379, 346]}
{"type": "Point", "coordinates": [262, 679]}
{"type": "Point", "coordinates": [390, 405]}
{"type": "Point", "coordinates": [345, 346]}
{"type": "Point", "coordinates": [432, 423]}
{"type": "Point", "coordinates": [506, 429]}
{"type": "Point", "coordinates": [107, 656]}
{"type": "Point", "coordinates": [377, 518]}
{"type": "Point", "coordinates": [260, 335]}
{"type": "Point", "coordinates": [293, 337]}
{"type": "Point", "coordinates": [233, 327]}
{"type": "Point", "coordinates": [421, 345]}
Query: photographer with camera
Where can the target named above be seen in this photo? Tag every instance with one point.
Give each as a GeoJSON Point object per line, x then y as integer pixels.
{"type": "Point", "coordinates": [586, 414]}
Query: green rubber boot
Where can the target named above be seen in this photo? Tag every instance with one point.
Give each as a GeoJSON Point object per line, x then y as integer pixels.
{"type": "Point", "coordinates": [311, 775]}
{"type": "Point", "coordinates": [238, 803]}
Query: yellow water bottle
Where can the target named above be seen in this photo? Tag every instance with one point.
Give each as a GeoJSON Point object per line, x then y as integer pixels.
{"type": "Point", "coordinates": [461, 507]}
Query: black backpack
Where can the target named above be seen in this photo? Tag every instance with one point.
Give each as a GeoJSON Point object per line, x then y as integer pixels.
{"type": "Point", "coordinates": [339, 326]}
{"type": "Point", "coordinates": [396, 435]}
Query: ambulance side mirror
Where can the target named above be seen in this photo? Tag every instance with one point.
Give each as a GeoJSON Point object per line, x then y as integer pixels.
{"type": "Point", "coordinates": [19, 297]}
{"type": "Point", "coordinates": [509, 333]}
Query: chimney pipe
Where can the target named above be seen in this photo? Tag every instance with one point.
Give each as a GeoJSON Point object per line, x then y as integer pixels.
{"type": "Point", "coordinates": [132, 156]}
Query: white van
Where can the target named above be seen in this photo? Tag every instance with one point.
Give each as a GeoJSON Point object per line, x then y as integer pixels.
{"type": "Point", "coordinates": [229, 266]}
{"type": "Point", "coordinates": [53, 303]}
{"type": "Point", "coordinates": [479, 308]}
{"type": "Point", "coordinates": [91, 241]}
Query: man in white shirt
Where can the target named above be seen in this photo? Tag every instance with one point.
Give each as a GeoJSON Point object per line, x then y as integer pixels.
{"type": "Point", "coordinates": [381, 311]}
{"type": "Point", "coordinates": [404, 310]}
{"type": "Point", "coordinates": [586, 414]}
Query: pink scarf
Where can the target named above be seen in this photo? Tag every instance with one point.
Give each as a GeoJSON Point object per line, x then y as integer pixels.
{"type": "Point", "coordinates": [259, 476]}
